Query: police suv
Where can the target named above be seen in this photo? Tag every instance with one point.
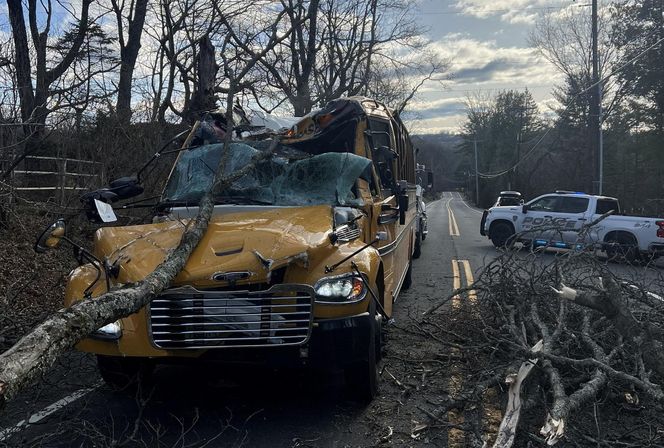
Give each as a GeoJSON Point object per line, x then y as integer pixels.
{"type": "Point", "coordinates": [562, 219]}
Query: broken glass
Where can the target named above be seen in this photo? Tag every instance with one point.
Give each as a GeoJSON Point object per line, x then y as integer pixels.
{"type": "Point", "coordinates": [327, 178]}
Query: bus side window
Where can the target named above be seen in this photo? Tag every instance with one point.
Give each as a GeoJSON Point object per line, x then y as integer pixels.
{"type": "Point", "coordinates": [379, 136]}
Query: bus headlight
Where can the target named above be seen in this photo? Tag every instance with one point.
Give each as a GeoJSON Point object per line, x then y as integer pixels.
{"type": "Point", "coordinates": [345, 289]}
{"type": "Point", "coordinates": [109, 332]}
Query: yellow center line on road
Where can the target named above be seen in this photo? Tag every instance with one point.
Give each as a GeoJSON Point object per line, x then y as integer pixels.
{"type": "Point", "coordinates": [472, 294]}
{"type": "Point", "coordinates": [456, 300]}
{"type": "Point", "coordinates": [454, 228]}
{"type": "Point", "coordinates": [491, 413]}
{"type": "Point", "coordinates": [455, 437]}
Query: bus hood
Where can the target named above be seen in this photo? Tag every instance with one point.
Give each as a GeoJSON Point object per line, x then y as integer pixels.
{"type": "Point", "coordinates": [237, 248]}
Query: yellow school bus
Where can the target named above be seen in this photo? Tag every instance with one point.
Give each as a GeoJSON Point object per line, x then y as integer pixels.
{"type": "Point", "coordinates": [302, 261]}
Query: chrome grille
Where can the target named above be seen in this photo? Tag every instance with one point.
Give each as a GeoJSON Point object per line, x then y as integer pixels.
{"type": "Point", "coordinates": [187, 318]}
{"type": "Point", "coordinates": [346, 233]}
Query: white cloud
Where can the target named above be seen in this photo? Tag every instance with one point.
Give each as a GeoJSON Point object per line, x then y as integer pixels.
{"type": "Point", "coordinates": [421, 105]}
{"type": "Point", "coordinates": [480, 66]}
{"type": "Point", "coordinates": [419, 126]}
{"type": "Point", "coordinates": [483, 64]}
{"type": "Point", "coordinates": [510, 11]}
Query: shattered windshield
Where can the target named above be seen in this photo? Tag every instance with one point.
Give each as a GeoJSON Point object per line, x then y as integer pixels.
{"type": "Point", "coordinates": [327, 178]}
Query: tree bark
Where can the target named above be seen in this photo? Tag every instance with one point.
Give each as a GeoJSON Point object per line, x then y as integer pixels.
{"type": "Point", "coordinates": [22, 58]}
{"type": "Point", "coordinates": [128, 55]}
{"type": "Point", "coordinates": [203, 98]}
{"type": "Point", "coordinates": [303, 102]}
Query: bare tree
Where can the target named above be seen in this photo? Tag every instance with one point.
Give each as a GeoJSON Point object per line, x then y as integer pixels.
{"type": "Point", "coordinates": [397, 79]}
{"type": "Point", "coordinates": [133, 16]}
{"type": "Point", "coordinates": [9, 88]}
{"type": "Point", "coordinates": [289, 67]}
{"type": "Point", "coordinates": [171, 69]}
{"type": "Point", "coordinates": [346, 48]}
{"type": "Point", "coordinates": [62, 70]}
{"type": "Point", "coordinates": [22, 63]}
{"type": "Point", "coordinates": [180, 29]}
{"type": "Point", "coordinates": [564, 38]}
{"type": "Point", "coordinates": [354, 34]}
{"type": "Point", "coordinates": [203, 97]}
{"type": "Point", "coordinates": [34, 99]}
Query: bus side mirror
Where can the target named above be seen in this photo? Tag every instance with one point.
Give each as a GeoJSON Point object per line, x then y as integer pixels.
{"type": "Point", "coordinates": [51, 237]}
{"type": "Point", "coordinates": [430, 179]}
{"type": "Point", "coordinates": [385, 153]}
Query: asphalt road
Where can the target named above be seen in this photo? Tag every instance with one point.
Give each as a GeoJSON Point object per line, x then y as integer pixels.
{"type": "Point", "coordinates": [193, 406]}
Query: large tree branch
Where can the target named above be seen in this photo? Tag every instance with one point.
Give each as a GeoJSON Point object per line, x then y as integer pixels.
{"type": "Point", "coordinates": [36, 352]}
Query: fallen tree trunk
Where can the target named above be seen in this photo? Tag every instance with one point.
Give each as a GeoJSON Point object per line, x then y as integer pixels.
{"type": "Point", "coordinates": [37, 351]}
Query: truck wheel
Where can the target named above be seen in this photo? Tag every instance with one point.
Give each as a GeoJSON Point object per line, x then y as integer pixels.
{"type": "Point", "coordinates": [500, 233]}
{"type": "Point", "coordinates": [362, 376]}
{"type": "Point", "coordinates": [622, 247]}
{"type": "Point", "coordinates": [124, 374]}
{"type": "Point", "coordinates": [482, 222]}
{"type": "Point", "coordinates": [417, 252]}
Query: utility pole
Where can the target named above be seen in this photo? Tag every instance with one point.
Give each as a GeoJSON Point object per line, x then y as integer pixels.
{"type": "Point", "coordinates": [601, 143]}
{"type": "Point", "coordinates": [596, 109]}
{"type": "Point", "coordinates": [477, 177]}
{"type": "Point", "coordinates": [522, 111]}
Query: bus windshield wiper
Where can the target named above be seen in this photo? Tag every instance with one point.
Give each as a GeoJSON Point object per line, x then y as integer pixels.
{"type": "Point", "coordinates": [167, 203]}
{"type": "Point", "coordinates": [241, 200]}
{"type": "Point", "coordinates": [236, 200]}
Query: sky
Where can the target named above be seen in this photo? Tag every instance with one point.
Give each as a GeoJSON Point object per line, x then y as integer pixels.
{"type": "Point", "coordinates": [487, 43]}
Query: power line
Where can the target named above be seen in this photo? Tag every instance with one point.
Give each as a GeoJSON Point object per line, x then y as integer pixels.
{"type": "Point", "coordinates": [489, 89]}
{"type": "Point", "coordinates": [569, 103]}
{"type": "Point", "coordinates": [470, 11]}
{"type": "Point", "coordinates": [22, 124]}
{"type": "Point", "coordinates": [502, 173]}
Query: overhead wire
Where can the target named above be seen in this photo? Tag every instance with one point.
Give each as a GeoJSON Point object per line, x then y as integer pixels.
{"type": "Point", "coordinates": [469, 10]}
{"type": "Point", "coordinates": [569, 103]}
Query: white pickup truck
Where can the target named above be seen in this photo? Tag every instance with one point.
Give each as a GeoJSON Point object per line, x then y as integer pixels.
{"type": "Point", "coordinates": [555, 219]}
